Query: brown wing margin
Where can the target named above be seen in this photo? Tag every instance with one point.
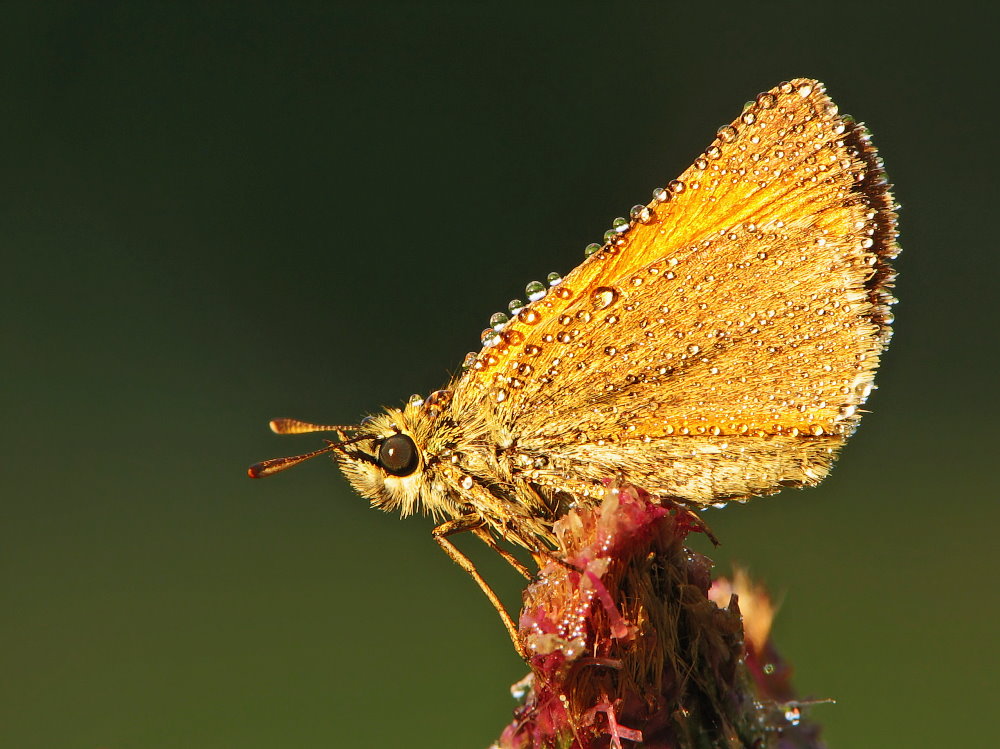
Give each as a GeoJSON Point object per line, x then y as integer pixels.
{"type": "Point", "coordinates": [875, 191]}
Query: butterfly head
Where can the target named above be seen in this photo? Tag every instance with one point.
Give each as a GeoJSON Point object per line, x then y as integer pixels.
{"type": "Point", "coordinates": [388, 458]}
{"type": "Point", "coordinates": [387, 461]}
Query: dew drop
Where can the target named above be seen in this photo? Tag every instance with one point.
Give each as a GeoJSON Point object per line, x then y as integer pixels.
{"type": "Point", "coordinates": [693, 349]}
{"type": "Point", "coordinates": [529, 316]}
{"type": "Point", "coordinates": [701, 163]}
{"type": "Point", "coordinates": [515, 306]}
{"type": "Point", "coordinates": [554, 279]}
{"type": "Point", "coordinates": [470, 359]}
{"type": "Point", "coordinates": [466, 482]}
{"type": "Point", "coordinates": [766, 100]}
{"type": "Point", "coordinates": [415, 400]}
{"type": "Point", "coordinates": [490, 337]}
{"type": "Point", "coordinates": [676, 186]}
{"type": "Point", "coordinates": [498, 320]}
{"type": "Point", "coordinates": [660, 195]}
{"type": "Point", "coordinates": [713, 152]}
{"type": "Point", "coordinates": [590, 249]}
{"type": "Point", "coordinates": [535, 291]}
{"type": "Point", "coordinates": [805, 89]}
{"type": "Point", "coordinates": [532, 350]}
{"type": "Point", "coordinates": [564, 337]}
{"type": "Point", "coordinates": [603, 297]}
{"type": "Point", "coordinates": [641, 213]}
{"type": "Point", "coordinates": [727, 134]}
{"type": "Point", "coordinates": [610, 236]}
{"type": "Point", "coordinates": [620, 225]}
{"type": "Point", "coordinates": [513, 337]}
{"type": "Point", "coordinates": [610, 350]}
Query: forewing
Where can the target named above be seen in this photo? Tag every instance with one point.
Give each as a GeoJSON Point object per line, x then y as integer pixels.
{"type": "Point", "coordinates": [752, 300]}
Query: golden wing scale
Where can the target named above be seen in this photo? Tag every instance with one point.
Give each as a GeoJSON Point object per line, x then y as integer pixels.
{"type": "Point", "coordinates": [718, 345]}
{"type": "Point", "coordinates": [732, 328]}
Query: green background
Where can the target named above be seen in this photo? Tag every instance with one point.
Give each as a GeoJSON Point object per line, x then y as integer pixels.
{"type": "Point", "coordinates": [210, 217]}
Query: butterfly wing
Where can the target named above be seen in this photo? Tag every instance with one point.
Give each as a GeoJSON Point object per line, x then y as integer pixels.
{"type": "Point", "coordinates": [721, 344]}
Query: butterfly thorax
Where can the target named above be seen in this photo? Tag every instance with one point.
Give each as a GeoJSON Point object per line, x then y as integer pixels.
{"type": "Point", "coordinates": [466, 463]}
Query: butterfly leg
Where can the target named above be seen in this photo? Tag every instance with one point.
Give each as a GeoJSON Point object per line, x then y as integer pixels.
{"type": "Point", "coordinates": [694, 520]}
{"type": "Point", "coordinates": [484, 535]}
{"type": "Point", "coordinates": [458, 525]}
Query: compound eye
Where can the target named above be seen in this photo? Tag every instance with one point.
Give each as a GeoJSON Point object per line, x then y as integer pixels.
{"type": "Point", "coordinates": [398, 455]}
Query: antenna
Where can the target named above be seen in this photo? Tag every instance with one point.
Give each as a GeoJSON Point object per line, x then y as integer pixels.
{"type": "Point", "coordinates": [294, 426]}
{"type": "Point", "coordinates": [274, 465]}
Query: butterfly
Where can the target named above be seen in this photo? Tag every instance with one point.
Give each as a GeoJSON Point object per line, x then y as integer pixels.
{"type": "Point", "coordinates": [718, 345]}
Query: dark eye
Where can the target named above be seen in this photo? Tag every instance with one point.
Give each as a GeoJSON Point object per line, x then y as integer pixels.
{"type": "Point", "coordinates": [398, 455]}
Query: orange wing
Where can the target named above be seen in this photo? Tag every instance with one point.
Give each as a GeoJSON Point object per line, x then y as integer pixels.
{"type": "Point", "coordinates": [751, 297]}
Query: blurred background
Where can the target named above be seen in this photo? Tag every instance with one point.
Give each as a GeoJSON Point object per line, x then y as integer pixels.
{"type": "Point", "coordinates": [212, 216]}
